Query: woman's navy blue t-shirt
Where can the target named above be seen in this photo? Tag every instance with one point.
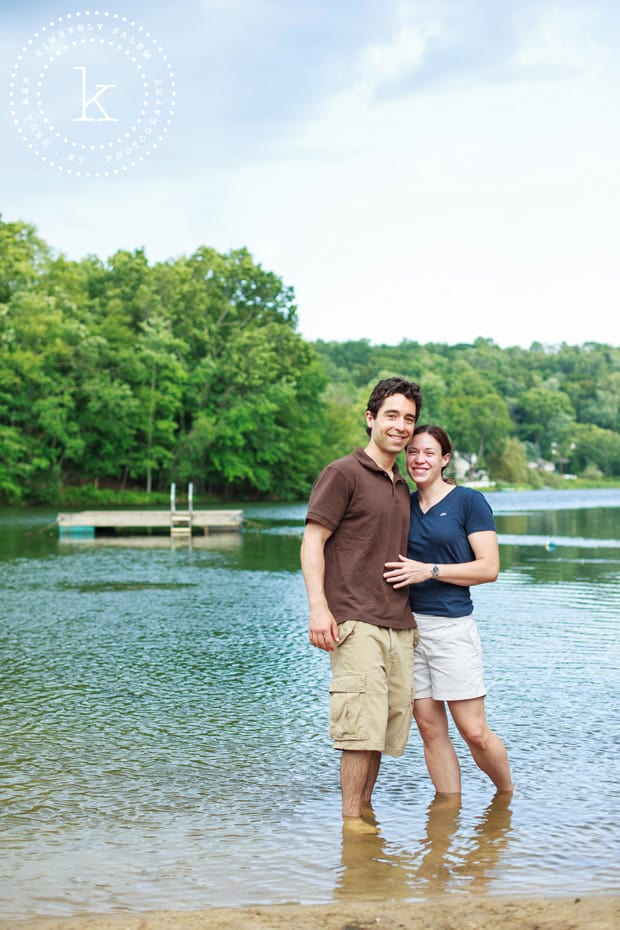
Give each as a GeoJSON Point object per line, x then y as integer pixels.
{"type": "Point", "coordinates": [440, 536]}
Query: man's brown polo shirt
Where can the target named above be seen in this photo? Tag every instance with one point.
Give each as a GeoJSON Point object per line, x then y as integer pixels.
{"type": "Point", "coordinates": [369, 518]}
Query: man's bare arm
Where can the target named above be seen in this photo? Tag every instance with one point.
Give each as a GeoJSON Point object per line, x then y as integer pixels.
{"type": "Point", "coordinates": [322, 627]}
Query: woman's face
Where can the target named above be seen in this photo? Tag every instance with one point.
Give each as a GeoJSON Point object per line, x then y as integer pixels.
{"type": "Point", "coordinates": [424, 460]}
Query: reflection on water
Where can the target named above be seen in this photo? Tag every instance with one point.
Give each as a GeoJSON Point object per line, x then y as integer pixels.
{"type": "Point", "coordinates": [370, 871]}
{"type": "Point", "coordinates": [490, 838]}
{"type": "Point", "coordinates": [217, 541]}
{"type": "Point", "coordinates": [446, 858]}
{"type": "Point", "coordinates": [163, 724]}
{"type": "Point", "coordinates": [438, 864]}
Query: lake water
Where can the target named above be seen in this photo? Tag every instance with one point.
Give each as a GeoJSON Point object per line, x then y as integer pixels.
{"type": "Point", "coordinates": [163, 724]}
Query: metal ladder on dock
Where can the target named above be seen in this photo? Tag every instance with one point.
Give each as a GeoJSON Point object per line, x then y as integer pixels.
{"type": "Point", "coordinates": [181, 520]}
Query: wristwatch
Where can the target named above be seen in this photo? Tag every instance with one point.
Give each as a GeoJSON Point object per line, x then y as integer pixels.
{"type": "Point", "coordinates": [435, 571]}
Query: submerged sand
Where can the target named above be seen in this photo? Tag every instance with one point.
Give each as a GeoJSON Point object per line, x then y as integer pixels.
{"type": "Point", "coordinates": [455, 912]}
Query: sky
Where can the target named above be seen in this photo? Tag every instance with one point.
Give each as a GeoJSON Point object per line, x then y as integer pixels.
{"type": "Point", "coordinates": [432, 170]}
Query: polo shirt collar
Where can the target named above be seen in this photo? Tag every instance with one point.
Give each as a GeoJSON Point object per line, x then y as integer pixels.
{"type": "Point", "coordinates": [364, 459]}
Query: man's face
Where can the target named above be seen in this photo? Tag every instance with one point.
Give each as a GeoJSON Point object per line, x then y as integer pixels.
{"type": "Point", "coordinates": [392, 428]}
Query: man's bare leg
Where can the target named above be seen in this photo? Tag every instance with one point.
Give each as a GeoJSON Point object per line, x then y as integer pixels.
{"type": "Point", "coordinates": [358, 773]}
{"type": "Point", "coordinates": [373, 771]}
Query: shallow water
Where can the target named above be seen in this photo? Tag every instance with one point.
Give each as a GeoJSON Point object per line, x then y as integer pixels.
{"type": "Point", "coordinates": [163, 723]}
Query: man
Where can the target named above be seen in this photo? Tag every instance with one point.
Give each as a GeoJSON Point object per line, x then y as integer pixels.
{"type": "Point", "coordinates": [358, 513]}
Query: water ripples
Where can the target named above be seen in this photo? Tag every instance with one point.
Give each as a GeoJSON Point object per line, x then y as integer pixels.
{"type": "Point", "coordinates": [163, 724]}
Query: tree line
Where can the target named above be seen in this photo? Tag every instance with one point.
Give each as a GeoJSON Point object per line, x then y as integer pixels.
{"type": "Point", "coordinates": [121, 375]}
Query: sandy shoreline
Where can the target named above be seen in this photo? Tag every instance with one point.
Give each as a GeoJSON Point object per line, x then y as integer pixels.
{"type": "Point", "coordinates": [456, 912]}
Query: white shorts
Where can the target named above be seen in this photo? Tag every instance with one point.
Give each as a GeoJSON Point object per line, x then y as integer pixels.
{"type": "Point", "coordinates": [448, 659]}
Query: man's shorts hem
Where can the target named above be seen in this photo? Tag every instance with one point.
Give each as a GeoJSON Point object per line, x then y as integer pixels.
{"type": "Point", "coordinates": [360, 746]}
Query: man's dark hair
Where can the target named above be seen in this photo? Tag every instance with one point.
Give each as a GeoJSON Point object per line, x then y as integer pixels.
{"type": "Point", "coordinates": [390, 386]}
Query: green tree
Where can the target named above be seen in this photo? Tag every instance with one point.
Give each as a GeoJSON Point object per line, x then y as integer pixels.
{"type": "Point", "coordinates": [594, 446]}
{"type": "Point", "coordinates": [192, 369]}
{"type": "Point", "coordinates": [342, 424]}
{"type": "Point", "coordinates": [474, 415]}
{"type": "Point", "coordinates": [15, 464]}
{"type": "Point", "coordinates": [159, 394]}
{"type": "Point", "coordinates": [23, 258]}
{"type": "Point", "coordinates": [511, 464]}
{"type": "Point", "coordinates": [37, 395]}
{"type": "Point", "coordinates": [255, 433]}
{"type": "Point", "coordinates": [545, 417]}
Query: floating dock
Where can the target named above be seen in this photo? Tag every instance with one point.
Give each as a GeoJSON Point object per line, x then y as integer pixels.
{"type": "Point", "coordinates": [88, 522]}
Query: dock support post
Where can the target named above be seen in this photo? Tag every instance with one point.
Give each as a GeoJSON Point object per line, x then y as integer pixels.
{"type": "Point", "coordinates": [181, 520]}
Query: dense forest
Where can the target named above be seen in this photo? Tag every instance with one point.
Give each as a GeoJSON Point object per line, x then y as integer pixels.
{"type": "Point", "coordinates": [120, 376]}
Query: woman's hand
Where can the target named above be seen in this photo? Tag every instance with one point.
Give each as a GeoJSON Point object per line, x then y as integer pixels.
{"type": "Point", "coordinates": [405, 571]}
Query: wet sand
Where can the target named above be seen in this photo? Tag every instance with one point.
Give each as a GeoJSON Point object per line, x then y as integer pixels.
{"type": "Point", "coordinates": [456, 912]}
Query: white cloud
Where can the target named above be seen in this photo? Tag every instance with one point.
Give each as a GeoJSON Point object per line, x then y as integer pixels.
{"type": "Point", "coordinates": [561, 39]}
{"type": "Point", "coordinates": [390, 62]}
{"type": "Point", "coordinates": [446, 173]}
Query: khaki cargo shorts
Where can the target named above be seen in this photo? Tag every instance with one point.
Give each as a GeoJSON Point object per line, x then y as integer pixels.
{"type": "Point", "coordinates": [371, 691]}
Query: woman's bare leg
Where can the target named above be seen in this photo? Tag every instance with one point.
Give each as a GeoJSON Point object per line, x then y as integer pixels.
{"type": "Point", "coordinates": [485, 746]}
{"type": "Point", "coordinates": [441, 761]}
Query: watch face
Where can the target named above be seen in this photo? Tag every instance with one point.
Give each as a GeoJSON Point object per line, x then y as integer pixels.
{"type": "Point", "coordinates": [434, 570]}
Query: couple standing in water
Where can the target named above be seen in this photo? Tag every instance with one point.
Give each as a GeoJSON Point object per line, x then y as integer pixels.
{"type": "Point", "coordinates": [388, 620]}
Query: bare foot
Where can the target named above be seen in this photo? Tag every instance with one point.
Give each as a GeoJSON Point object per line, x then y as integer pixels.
{"type": "Point", "coordinates": [357, 825]}
{"type": "Point", "coordinates": [446, 799]}
{"type": "Point", "coordinates": [368, 813]}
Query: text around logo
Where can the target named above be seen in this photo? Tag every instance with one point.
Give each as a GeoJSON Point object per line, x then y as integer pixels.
{"type": "Point", "coordinates": [92, 94]}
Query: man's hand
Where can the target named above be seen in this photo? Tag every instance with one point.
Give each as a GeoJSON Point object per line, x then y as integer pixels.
{"type": "Point", "coordinates": [323, 630]}
{"type": "Point", "coordinates": [406, 571]}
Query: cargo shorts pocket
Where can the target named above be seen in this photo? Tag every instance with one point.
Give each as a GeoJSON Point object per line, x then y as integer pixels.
{"type": "Point", "coordinates": [346, 707]}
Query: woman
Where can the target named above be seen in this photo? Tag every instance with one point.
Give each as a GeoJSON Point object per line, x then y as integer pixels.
{"type": "Point", "coordinates": [452, 546]}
